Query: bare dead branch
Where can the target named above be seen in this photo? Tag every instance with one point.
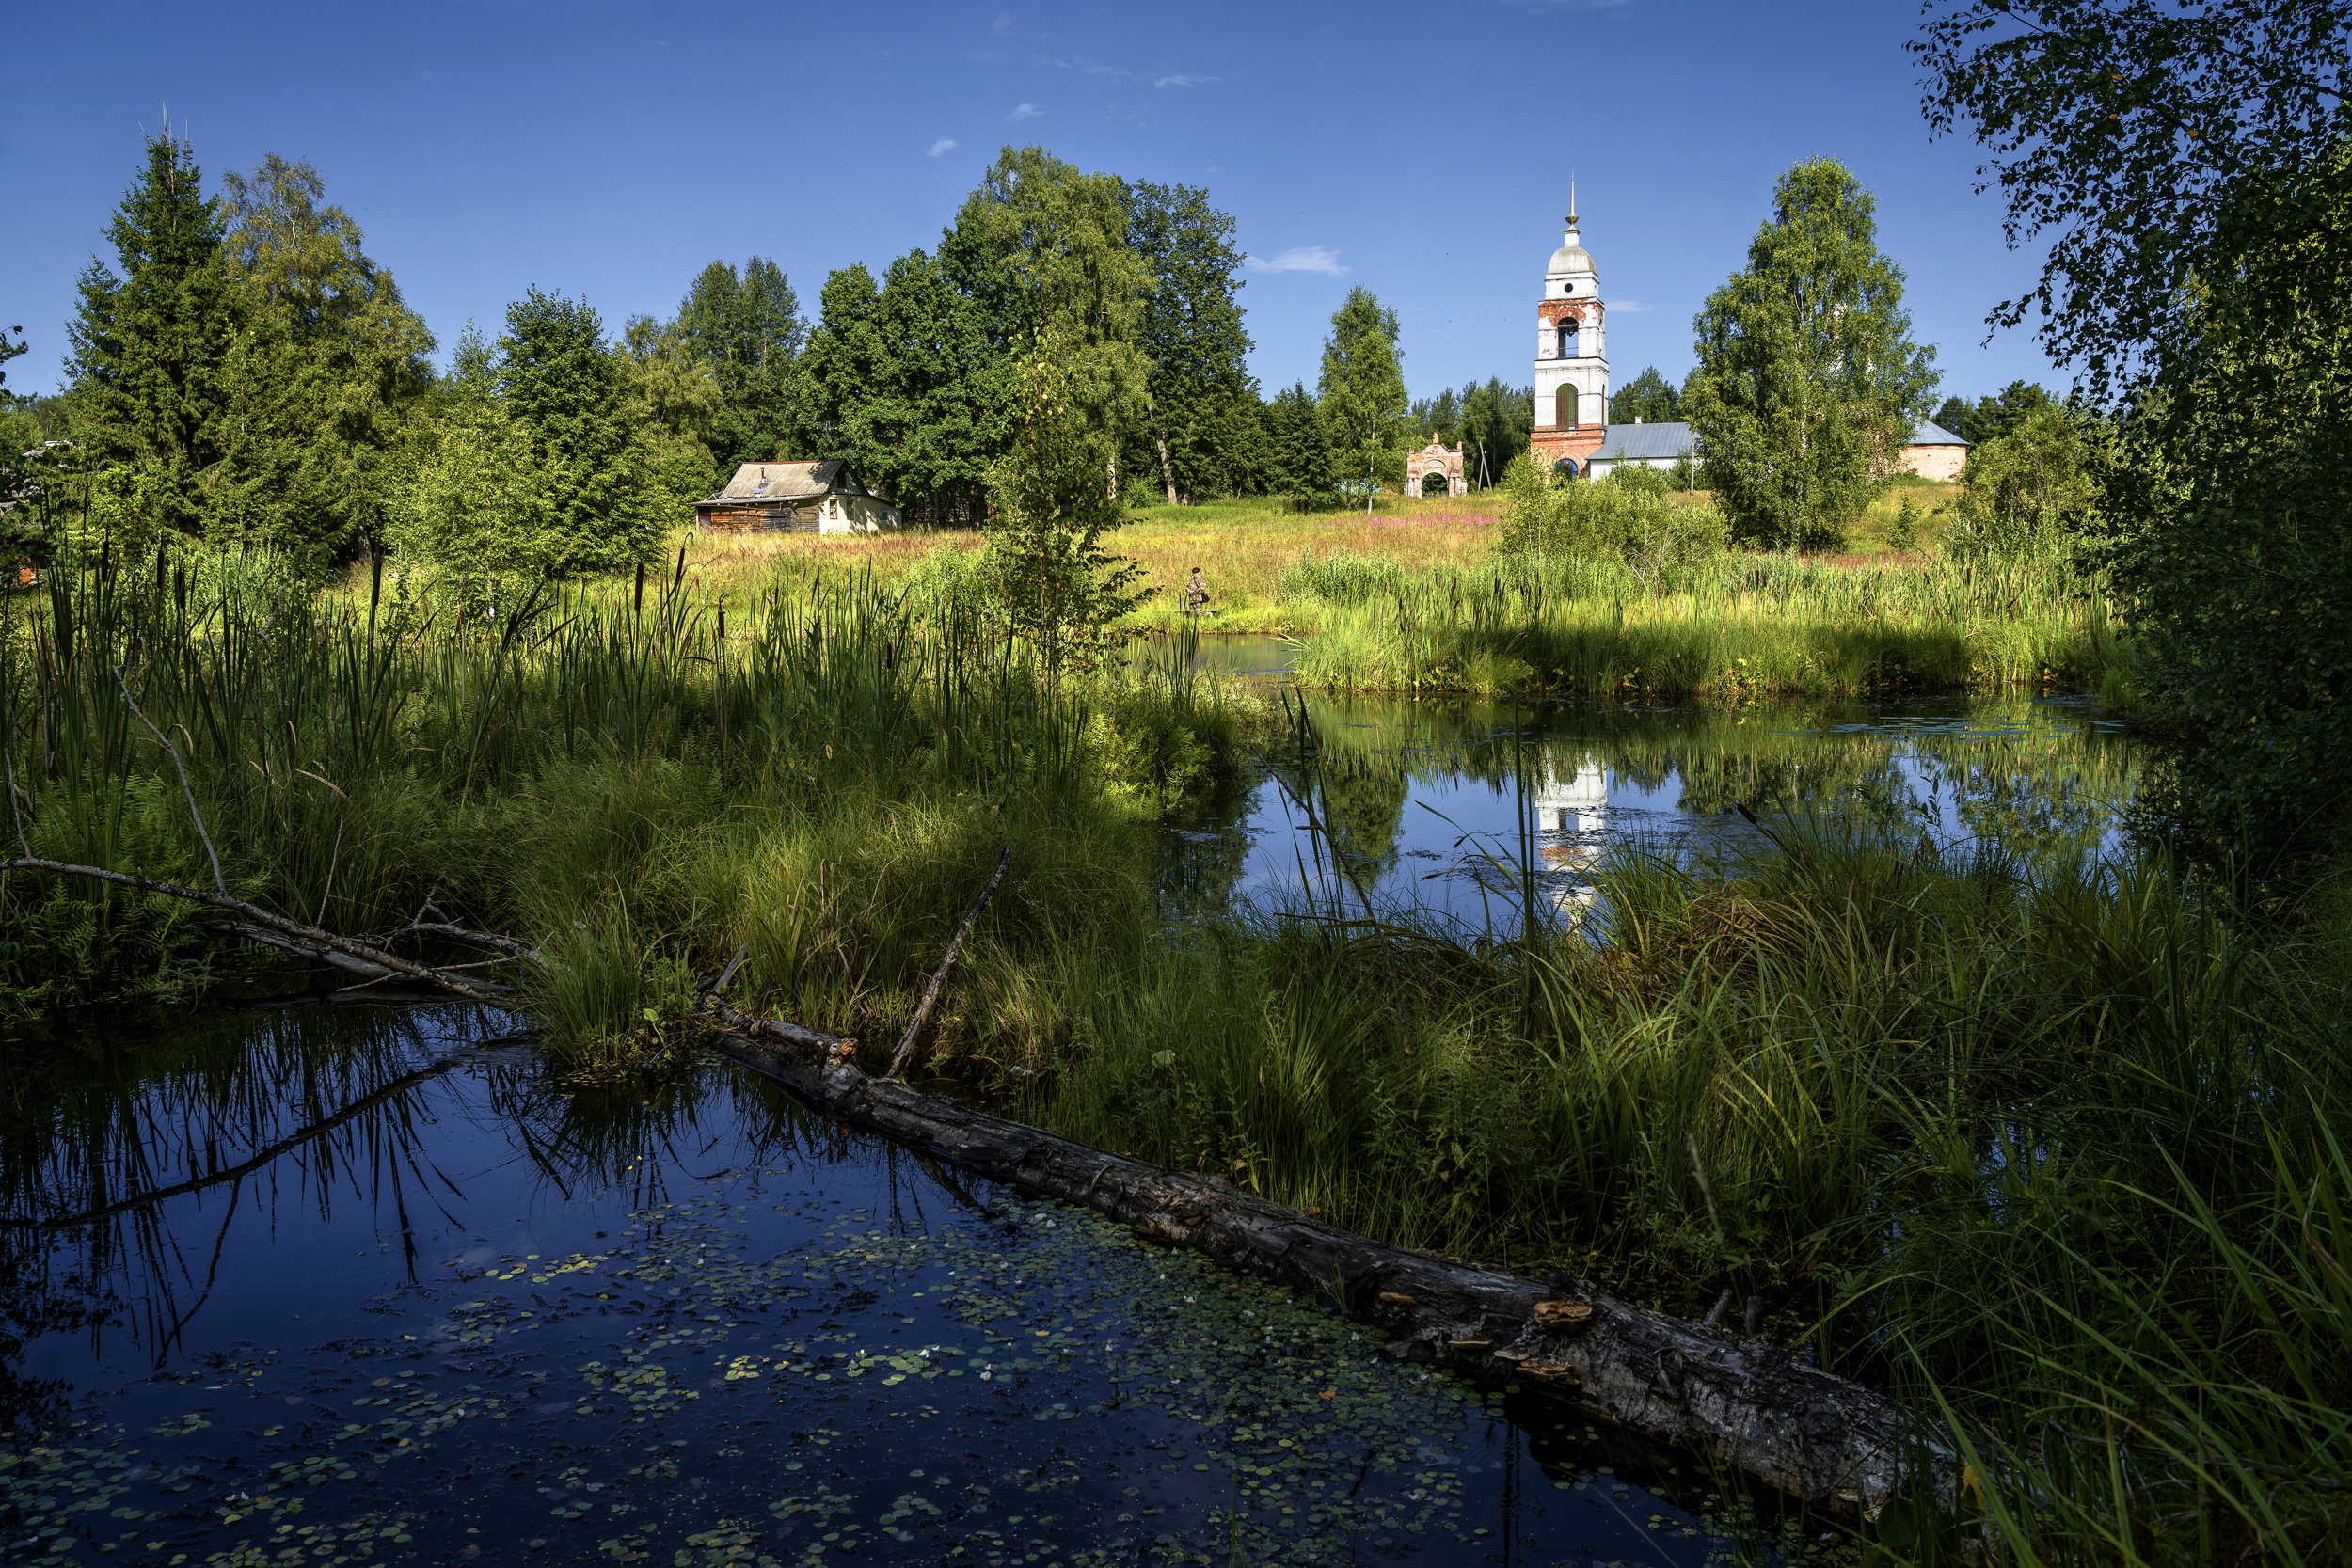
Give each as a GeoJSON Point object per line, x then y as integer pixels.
{"type": "Point", "coordinates": [938, 977]}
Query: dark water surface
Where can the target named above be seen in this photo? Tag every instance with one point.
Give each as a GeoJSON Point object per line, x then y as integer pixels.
{"type": "Point", "coordinates": [470, 1318]}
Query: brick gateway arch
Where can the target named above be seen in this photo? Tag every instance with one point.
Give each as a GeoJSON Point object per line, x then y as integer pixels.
{"type": "Point", "coordinates": [1442, 461]}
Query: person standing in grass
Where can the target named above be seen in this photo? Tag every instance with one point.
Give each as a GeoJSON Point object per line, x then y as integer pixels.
{"type": "Point", "coordinates": [1196, 593]}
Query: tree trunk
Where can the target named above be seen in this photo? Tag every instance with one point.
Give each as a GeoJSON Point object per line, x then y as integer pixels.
{"type": "Point", "coordinates": [1741, 1402]}
{"type": "Point", "coordinates": [1167, 469]}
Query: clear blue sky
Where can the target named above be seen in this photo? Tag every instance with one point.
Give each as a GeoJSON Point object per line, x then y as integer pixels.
{"type": "Point", "coordinates": [611, 149]}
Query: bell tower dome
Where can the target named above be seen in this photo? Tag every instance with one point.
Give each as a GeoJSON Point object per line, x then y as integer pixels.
{"type": "Point", "coordinates": [1571, 356]}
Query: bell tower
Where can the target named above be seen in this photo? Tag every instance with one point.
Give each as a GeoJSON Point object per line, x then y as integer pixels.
{"type": "Point", "coordinates": [1571, 357]}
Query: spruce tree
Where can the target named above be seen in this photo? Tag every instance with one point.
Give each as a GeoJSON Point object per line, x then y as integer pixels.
{"type": "Point", "coordinates": [1361, 396]}
{"type": "Point", "coordinates": [567, 391]}
{"type": "Point", "coordinates": [1808, 383]}
{"type": "Point", "coordinates": [1298, 449]}
{"type": "Point", "coordinates": [151, 345]}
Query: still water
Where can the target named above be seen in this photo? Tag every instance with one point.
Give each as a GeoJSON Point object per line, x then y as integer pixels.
{"type": "Point", "coordinates": [357, 1285]}
{"type": "Point", "coordinates": [1446, 808]}
{"type": "Point", "coordinates": [326, 1285]}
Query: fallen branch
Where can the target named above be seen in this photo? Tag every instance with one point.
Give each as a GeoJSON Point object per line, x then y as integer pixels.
{"type": "Point", "coordinates": [938, 977]}
{"type": "Point", "coordinates": [258, 925]}
{"type": "Point", "coordinates": [1744, 1403]}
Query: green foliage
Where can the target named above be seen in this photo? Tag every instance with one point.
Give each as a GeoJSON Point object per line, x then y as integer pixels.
{"type": "Point", "coordinates": [2029, 490]}
{"type": "Point", "coordinates": [1989, 419]}
{"type": "Point", "coordinates": [1057, 587]}
{"type": "Point", "coordinates": [322, 377]}
{"type": "Point", "coordinates": [904, 382]}
{"type": "Point", "coordinates": [1496, 422]}
{"type": "Point", "coordinates": [2125, 133]}
{"type": "Point", "coordinates": [570, 400]}
{"type": "Point", "coordinates": [1628, 517]}
{"type": "Point", "coordinates": [1201, 413]}
{"type": "Point", "coordinates": [1043, 249]}
{"type": "Point", "coordinates": [1438, 418]}
{"type": "Point", "coordinates": [2230, 508]}
{"type": "Point", "coordinates": [746, 329]}
{"type": "Point", "coordinates": [1298, 458]}
{"type": "Point", "coordinates": [1648, 397]}
{"type": "Point", "coordinates": [1808, 383]}
{"type": "Point", "coordinates": [150, 347]}
{"type": "Point", "coordinates": [1361, 394]}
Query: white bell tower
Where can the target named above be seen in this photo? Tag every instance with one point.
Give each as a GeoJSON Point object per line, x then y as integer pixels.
{"type": "Point", "coordinates": [1571, 352]}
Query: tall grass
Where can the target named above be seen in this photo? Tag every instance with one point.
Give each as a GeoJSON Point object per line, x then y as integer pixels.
{"type": "Point", "coordinates": [625, 769]}
{"type": "Point", "coordinates": [1725, 627]}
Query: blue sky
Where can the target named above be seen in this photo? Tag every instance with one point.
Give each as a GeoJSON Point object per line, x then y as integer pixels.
{"type": "Point", "coordinates": [611, 149]}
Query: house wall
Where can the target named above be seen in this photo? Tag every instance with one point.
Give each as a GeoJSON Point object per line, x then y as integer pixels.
{"type": "Point", "coordinates": [1938, 461]}
{"type": "Point", "coordinates": [856, 514]}
{"type": "Point", "coordinates": [756, 518]}
{"type": "Point", "coordinates": [1600, 465]}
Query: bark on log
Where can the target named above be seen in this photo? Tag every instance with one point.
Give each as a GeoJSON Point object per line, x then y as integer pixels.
{"type": "Point", "coordinates": [1746, 1403]}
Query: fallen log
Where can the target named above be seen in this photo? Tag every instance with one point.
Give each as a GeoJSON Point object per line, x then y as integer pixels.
{"type": "Point", "coordinates": [1742, 1402]}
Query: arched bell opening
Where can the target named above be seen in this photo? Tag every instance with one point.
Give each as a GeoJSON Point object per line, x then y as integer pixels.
{"type": "Point", "coordinates": [1566, 333]}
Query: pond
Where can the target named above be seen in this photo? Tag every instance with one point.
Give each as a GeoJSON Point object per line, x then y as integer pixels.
{"type": "Point", "coordinates": [340, 1285]}
{"type": "Point", "coordinates": [1444, 807]}
{"type": "Point", "coordinates": [360, 1284]}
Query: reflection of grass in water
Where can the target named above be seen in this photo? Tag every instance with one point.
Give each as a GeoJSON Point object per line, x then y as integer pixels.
{"type": "Point", "coordinates": [1064, 1323]}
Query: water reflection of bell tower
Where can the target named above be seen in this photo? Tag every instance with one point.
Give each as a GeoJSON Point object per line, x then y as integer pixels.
{"type": "Point", "coordinates": [1573, 804]}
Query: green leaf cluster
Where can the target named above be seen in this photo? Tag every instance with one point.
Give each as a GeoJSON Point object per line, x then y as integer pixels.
{"type": "Point", "coordinates": [1808, 383]}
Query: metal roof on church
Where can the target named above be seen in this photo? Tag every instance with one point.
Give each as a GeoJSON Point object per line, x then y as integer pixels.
{"type": "Point", "coordinates": [1667, 439]}
{"type": "Point", "coordinates": [1935, 435]}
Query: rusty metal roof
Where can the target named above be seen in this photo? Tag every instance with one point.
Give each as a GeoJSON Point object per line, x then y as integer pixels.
{"type": "Point", "coordinates": [791, 481]}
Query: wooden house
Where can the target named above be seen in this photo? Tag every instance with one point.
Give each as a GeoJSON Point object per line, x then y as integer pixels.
{"type": "Point", "coordinates": [795, 498]}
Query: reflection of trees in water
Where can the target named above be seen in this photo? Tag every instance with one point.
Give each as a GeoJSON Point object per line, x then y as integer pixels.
{"type": "Point", "coordinates": [2043, 783]}
{"type": "Point", "coordinates": [133, 1111]}
{"type": "Point", "coordinates": [122, 1167]}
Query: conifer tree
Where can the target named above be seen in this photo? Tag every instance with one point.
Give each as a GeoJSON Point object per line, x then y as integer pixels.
{"type": "Point", "coordinates": [151, 345]}
{"type": "Point", "coordinates": [1808, 383]}
{"type": "Point", "coordinates": [747, 328]}
{"type": "Point", "coordinates": [1299, 450]}
{"type": "Point", "coordinates": [560, 383]}
{"type": "Point", "coordinates": [1361, 396]}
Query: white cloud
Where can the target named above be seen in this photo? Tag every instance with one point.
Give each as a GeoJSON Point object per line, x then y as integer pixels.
{"type": "Point", "coordinates": [1025, 111]}
{"type": "Point", "coordinates": [1305, 257]}
{"type": "Point", "coordinates": [1002, 24]}
{"type": "Point", "coordinates": [1627, 307]}
{"type": "Point", "coordinates": [1182, 81]}
{"type": "Point", "coordinates": [943, 144]}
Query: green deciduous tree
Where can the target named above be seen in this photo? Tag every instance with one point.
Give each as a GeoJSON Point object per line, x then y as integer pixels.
{"type": "Point", "coordinates": [1361, 394]}
{"type": "Point", "coordinates": [747, 328]}
{"type": "Point", "coordinates": [326, 365]}
{"type": "Point", "coordinates": [1057, 584]}
{"type": "Point", "coordinates": [150, 344]}
{"type": "Point", "coordinates": [1808, 383]}
{"type": "Point", "coordinates": [905, 381]}
{"type": "Point", "coordinates": [2032, 487]}
{"type": "Point", "coordinates": [2187, 166]}
{"type": "Point", "coordinates": [677, 396]}
{"type": "Point", "coordinates": [1042, 250]}
{"type": "Point", "coordinates": [1648, 397]}
{"type": "Point", "coordinates": [2119, 130]}
{"type": "Point", "coordinates": [1200, 427]}
{"type": "Point", "coordinates": [2230, 516]}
